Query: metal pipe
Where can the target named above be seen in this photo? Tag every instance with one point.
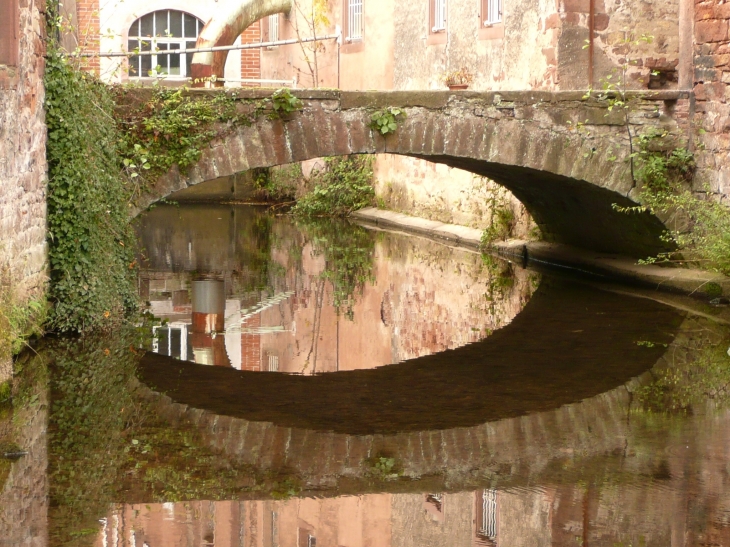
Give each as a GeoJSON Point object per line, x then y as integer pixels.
{"type": "Point", "coordinates": [206, 49]}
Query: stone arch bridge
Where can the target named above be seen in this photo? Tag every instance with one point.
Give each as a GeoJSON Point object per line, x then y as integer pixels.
{"type": "Point", "coordinates": [564, 157]}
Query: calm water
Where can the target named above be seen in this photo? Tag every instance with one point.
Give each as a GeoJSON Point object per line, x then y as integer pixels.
{"type": "Point", "coordinates": [324, 384]}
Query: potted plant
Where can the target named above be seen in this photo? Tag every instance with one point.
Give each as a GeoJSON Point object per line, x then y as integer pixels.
{"type": "Point", "coordinates": [458, 79]}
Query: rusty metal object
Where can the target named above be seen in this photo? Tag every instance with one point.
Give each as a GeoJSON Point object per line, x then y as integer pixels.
{"type": "Point", "coordinates": [227, 23]}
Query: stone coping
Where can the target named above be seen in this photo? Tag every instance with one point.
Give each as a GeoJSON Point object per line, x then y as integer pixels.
{"type": "Point", "coordinates": [428, 98]}
{"type": "Point", "coordinates": [683, 280]}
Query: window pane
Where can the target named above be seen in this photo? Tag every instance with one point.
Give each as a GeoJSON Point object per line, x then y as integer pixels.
{"type": "Point", "coordinates": [134, 29]}
{"type": "Point", "coordinates": [176, 24]}
{"type": "Point", "coordinates": [161, 25]}
{"type": "Point", "coordinates": [146, 65]}
{"type": "Point", "coordinates": [174, 69]}
{"type": "Point", "coordinates": [191, 26]}
{"type": "Point", "coordinates": [133, 69]}
{"type": "Point", "coordinates": [162, 60]}
{"type": "Point", "coordinates": [146, 25]}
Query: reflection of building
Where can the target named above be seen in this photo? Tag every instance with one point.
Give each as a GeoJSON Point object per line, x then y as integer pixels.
{"type": "Point", "coordinates": [410, 309]}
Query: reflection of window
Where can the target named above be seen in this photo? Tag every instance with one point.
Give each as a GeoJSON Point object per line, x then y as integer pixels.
{"type": "Point", "coordinates": [486, 522]}
{"type": "Point", "coordinates": [437, 15]}
{"type": "Point", "coordinates": [306, 539]}
{"type": "Point", "coordinates": [166, 30]}
{"type": "Point", "coordinates": [353, 22]}
{"type": "Point", "coordinates": [9, 31]}
{"type": "Point", "coordinates": [491, 12]}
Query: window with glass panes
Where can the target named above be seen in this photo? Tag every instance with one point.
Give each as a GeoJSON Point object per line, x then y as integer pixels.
{"type": "Point", "coordinates": [161, 32]}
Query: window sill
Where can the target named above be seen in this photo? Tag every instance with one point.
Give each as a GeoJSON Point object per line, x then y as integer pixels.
{"type": "Point", "coordinates": [354, 46]}
{"type": "Point", "coordinates": [436, 38]}
{"type": "Point", "coordinates": [492, 32]}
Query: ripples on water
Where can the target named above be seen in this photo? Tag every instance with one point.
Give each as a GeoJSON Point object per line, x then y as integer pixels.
{"type": "Point", "coordinates": [432, 397]}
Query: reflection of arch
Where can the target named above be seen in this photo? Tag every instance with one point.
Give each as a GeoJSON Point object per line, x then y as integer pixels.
{"type": "Point", "coordinates": [163, 30]}
{"type": "Point", "coordinates": [592, 336]}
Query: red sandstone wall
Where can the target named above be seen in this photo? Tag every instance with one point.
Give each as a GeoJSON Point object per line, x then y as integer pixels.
{"type": "Point", "coordinates": [23, 162]}
{"type": "Point", "coordinates": [712, 98]}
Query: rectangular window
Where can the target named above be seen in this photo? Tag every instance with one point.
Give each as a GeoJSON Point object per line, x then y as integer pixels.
{"type": "Point", "coordinates": [9, 32]}
{"type": "Point", "coordinates": [354, 20]}
{"type": "Point", "coordinates": [438, 16]}
{"type": "Point", "coordinates": [273, 363]}
{"type": "Point", "coordinates": [274, 28]}
{"type": "Point", "coordinates": [491, 12]}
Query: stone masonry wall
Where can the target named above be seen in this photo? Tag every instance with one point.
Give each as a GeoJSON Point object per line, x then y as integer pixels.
{"type": "Point", "coordinates": [712, 98]}
{"type": "Point", "coordinates": [23, 164]}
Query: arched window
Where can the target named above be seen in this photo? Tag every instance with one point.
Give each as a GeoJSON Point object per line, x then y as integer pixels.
{"type": "Point", "coordinates": [161, 31]}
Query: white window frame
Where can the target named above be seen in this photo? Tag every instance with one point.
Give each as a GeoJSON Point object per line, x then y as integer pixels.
{"type": "Point", "coordinates": [274, 28]}
{"type": "Point", "coordinates": [439, 16]}
{"type": "Point", "coordinates": [493, 13]}
{"type": "Point", "coordinates": [354, 20]}
{"type": "Point", "coordinates": [162, 41]}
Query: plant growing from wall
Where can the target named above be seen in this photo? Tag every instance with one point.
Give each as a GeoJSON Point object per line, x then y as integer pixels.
{"type": "Point", "coordinates": [386, 120]}
{"type": "Point", "coordinates": [699, 228]}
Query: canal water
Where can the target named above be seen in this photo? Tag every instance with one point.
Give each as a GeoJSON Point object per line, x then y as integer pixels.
{"type": "Point", "coordinates": [318, 383]}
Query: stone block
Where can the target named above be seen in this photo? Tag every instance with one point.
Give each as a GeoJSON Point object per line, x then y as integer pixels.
{"type": "Point", "coordinates": [711, 31]}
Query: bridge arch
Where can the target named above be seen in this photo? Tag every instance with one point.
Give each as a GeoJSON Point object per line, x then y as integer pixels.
{"type": "Point", "coordinates": [567, 178]}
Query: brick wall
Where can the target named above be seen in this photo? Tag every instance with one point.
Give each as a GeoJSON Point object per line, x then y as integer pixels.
{"type": "Point", "coordinates": [712, 97]}
{"type": "Point", "coordinates": [88, 31]}
{"type": "Point", "coordinates": [251, 58]}
{"type": "Point", "coordinates": [23, 163]}
{"type": "Point", "coordinates": [251, 345]}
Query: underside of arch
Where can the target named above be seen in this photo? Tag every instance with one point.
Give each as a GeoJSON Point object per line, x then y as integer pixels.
{"type": "Point", "coordinates": [223, 28]}
{"type": "Point", "coordinates": [574, 212]}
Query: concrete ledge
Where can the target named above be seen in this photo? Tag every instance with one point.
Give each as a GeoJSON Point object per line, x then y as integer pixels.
{"type": "Point", "coordinates": [615, 267]}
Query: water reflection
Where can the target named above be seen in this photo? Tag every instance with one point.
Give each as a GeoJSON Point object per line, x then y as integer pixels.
{"type": "Point", "coordinates": [585, 417]}
{"type": "Point", "coordinates": [243, 290]}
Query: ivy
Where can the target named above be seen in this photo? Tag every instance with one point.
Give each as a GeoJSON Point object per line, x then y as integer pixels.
{"type": "Point", "coordinates": [91, 242]}
{"type": "Point", "coordinates": [173, 126]}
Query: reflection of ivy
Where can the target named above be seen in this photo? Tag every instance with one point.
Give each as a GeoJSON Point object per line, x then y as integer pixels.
{"type": "Point", "coordinates": [699, 370]}
{"type": "Point", "coordinates": [348, 254]}
{"type": "Point", "coordinates": [93, 408]}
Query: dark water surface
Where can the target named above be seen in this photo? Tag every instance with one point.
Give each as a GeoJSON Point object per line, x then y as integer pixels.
{"type": "Point", "coordinates": [322, 384]}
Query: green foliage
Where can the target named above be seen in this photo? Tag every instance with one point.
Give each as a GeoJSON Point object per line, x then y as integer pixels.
{"type": "Point", "coordinates": [383, 468]}
{"type": "Point", "coordinates": [386, 121]}
{"type": "Point", "coordinates": [18, 322]}
{"type": "Point", "coordinates": [699, 370]}
{"type": "Point", "coordinates": [278, 184]}
{"type": "Point", "coordinates": [93, 408]}
{"type": "Point", "coordinates": [700, 228]}
{"type": "Point", "coordinates": [348, 252]}
{"type": "Point", "coordinates": [91, 242]}
{"type": "Point", "coordinates": [345, 185]}
{"type": "Point", "coordinates": [171, 128]}
{"type": "Point", "coordinates": [284, 103]}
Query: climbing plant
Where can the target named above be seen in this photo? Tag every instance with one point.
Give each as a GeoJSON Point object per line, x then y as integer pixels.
{"type": "Point", "coordinates": [91, 242]}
